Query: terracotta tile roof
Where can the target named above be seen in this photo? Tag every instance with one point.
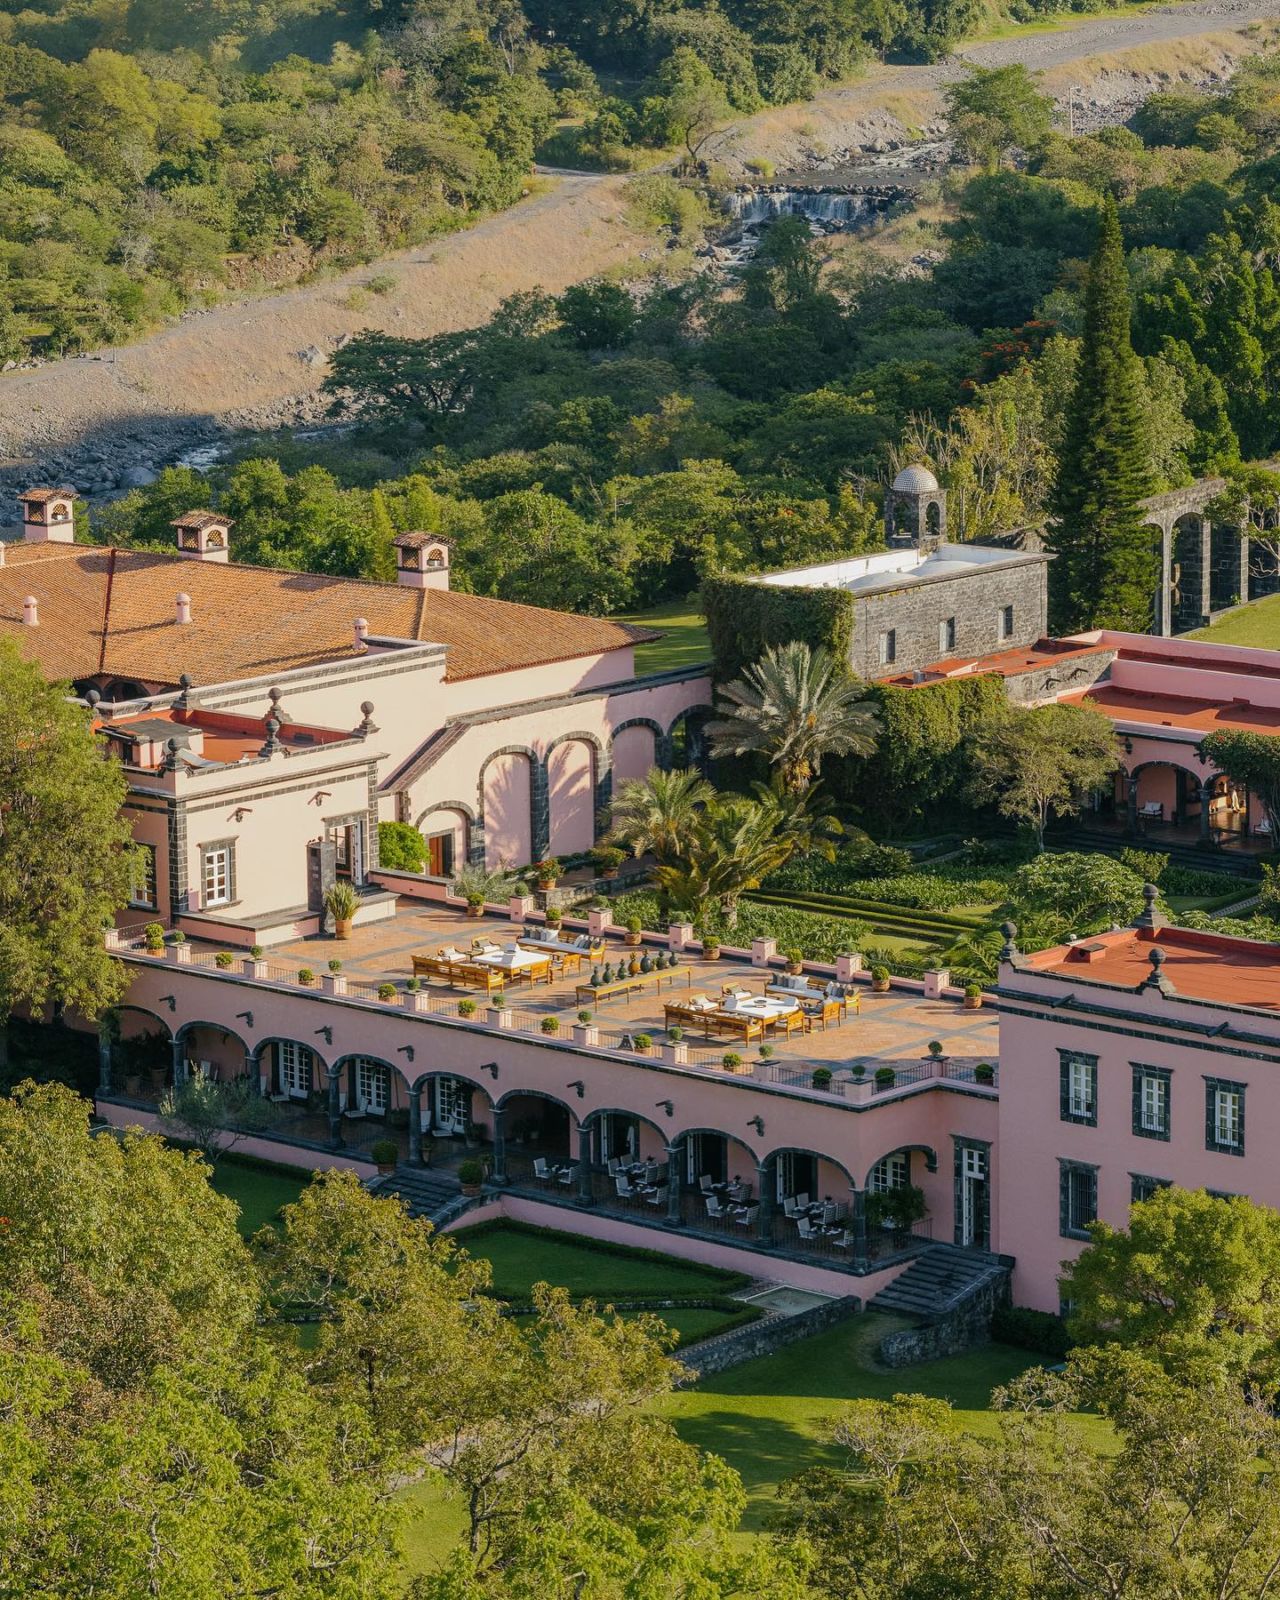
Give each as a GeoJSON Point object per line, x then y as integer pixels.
{"type": "Point", "coordinates": [417, 541]}
{"type": "Point", "coordinates": [43, 496]}
{"type": "Point", "coordinates": [107, 610]}
{"type": "Point", "coordinates": [201, 519]}
{"type": "Point", "coordinates": [1200, 965]}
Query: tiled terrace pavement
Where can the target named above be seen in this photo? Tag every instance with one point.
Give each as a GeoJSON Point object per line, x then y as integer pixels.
{"type": "Point", "coordinates": [893, 1029]}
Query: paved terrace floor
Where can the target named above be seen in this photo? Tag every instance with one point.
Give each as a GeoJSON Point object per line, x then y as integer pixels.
{"type": "Point", "coordinates": [892, 1029]}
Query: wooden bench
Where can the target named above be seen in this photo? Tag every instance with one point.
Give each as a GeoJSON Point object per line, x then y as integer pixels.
{"type": "Point", "coordinates": [469, 974]}
{"type": "Point", "coordinates": [564, 960]}
{"type": "Point", "coordinates": [632, 984]}
{"type": "Point", "coordinates": [712, 1022]}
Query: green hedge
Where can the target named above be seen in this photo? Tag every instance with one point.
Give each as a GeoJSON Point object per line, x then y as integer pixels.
{"type": "Point", "coordinates": [889, 918]}
{"type": "Point", "coordinates": [744, 617]}
{"type": "Point", "coordinates": [1040, 1331]}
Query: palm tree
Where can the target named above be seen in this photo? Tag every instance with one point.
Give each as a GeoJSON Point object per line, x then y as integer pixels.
{"type": "Point", "coordinates": [656, 814]}
{"type": "Point", "coordinates": [794, 706]}
{"type": "Point", "coordinates": [732, 846]}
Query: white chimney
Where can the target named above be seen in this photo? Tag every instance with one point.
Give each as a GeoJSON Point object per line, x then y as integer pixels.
{"type": "Point", "coordinates": [362, 634]}
{"type": "Point", "coordinates": [422, 561]}
{"type": "Point", "coordinates": [203, 535]}
{"type": "Point", "coordinates": [183, 605]}
{"type": "Point", "coordinates": [48, 516]}
{"type": "Point", "coordinates": [31, 611]}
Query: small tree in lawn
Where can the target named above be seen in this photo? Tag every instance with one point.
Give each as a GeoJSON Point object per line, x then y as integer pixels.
{"type": "Point", "coordinates": [66, 856]}
{"type": "Point", "coordinates": [1251, 760]}
{"type": "Point", "coordinates": [214, 1116]}
{"type": "Point", "coordinates": [994, 110]}
{"type": "Point", "coordinates": [1034, 762]}
{"type": "Point", "coordinates": [1083, 891]}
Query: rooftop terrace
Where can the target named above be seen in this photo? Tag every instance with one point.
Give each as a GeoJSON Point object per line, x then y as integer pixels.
{"type": "Point", "coordinates": [1199, 966]}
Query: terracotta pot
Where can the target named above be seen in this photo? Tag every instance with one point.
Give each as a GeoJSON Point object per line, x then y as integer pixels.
{"type": "Point", "coordinates": [609, 873]}
{"type": "Point", "coordinates": [795, 968]}
{"type": "Point", "coordinates": [546, 886]}
{"type": "Point", "coordinates": [386, 1168]}
{"type": "Point", "coordinates": [133, 1084]}
{"type": "Point", "coordinates": [342, 927]}
{"type": "Point", "coordinates": [471, 1189]}
{"type": "Point", "coordinates": [878, 987]}
{"type": "Point", "coordinates": [633, 938]}
{"type": "Point", "coordinates": [711, 955]}
{"type": "Point", "coordinates": [475, 911]}
{"type": "Point", "coordinates": [973, 1002]}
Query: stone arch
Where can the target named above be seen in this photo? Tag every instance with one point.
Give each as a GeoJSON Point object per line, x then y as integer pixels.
{"type": "Point", "coordinates": [120, 1057]}
{"type": "Point", "coordinates": [235, 1068]}
{"type": "Point", "coordinates": [503, 1103]}
{"type": "Point", "coordinates": [463, 834]}
{"type": "Point", "coordinates": [685, 1135]}
{"type": "Point", "coordinates": [623, 760]}
{"type": "Point", "coordinates": [322, 1071]}
{"type": "Point", "coordinates": [511, 809]}
{"type": "Point", "coordinates": [1181, 787]}
{"type": "Point", "coordinates": [929, 1153]}
{"type": "Point", "coordinates": [686, 738]}
{"type": "Point", "coordinates": [817, 1155]}
{"type": "Point", "coordinates": [1228, 580]}
{"type": "Point", "coordinates": [572, 804]}
{"type": "Point", "coordinates": [145, 1011]}
{"type": "Point", "coordinates": [1189, 537]}
{"type": "Point", "coordinates": [364, 1096]}
{"type": "Point", "coordinates": [596, 1120]}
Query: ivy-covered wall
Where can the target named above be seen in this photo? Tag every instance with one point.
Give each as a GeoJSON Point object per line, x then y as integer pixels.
{"type": "Point", "coordinates": [918, 772]}
{"type": "Point", "coordinates": [744, 618]}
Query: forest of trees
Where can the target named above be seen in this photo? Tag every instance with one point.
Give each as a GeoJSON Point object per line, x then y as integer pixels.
{"type": "Point", "coordinates": [152, 154]}
{"type": "Point", "coordinates": [610, 448]}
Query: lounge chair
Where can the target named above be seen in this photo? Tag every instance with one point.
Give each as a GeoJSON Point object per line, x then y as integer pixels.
{"type": "Point", "coordinates": [541, 1169]}
{"type": "Point", "coordinates": [656, 1197]}
{"type": "Point", "coordinates": [745, 1216]}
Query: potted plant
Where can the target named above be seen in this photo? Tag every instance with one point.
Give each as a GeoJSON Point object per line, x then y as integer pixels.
{"type": "Point", "coordinates": [880, 979]}
{"type": "Point", "coordinates": [466, 1008]}
{"type": "Point", "coordinates": [475, 905]}
{"type": "Point", "coordinates": [859, 1070]}
{"type": "Point", "coordinates": [644, 1044]}
{"type": "Point", "coordinates": [306, 977]}
{"type": "Point", "coordinates": [984, 1072]}
{"type": "Point", "coordinates": [609, 859]}
{"type": "Point", "coordinates": [341, 901]}
{"type": "Point", "coordinates": [675, 1035]}
{"type": "Point", "coordinates": [635, 931]}
{"type": "Point", "coordinates": [153, 937]}
{"type": "Point", "coordinates": [886, 1077]}
{"type": "Point", "coordinates": [224, 959]}
{"type": "Point", "coordinates": [554, 916]}
{"type": "Point", "coordinates": [935, 1049]}
{"type": "Point", "coordinates": [471, 1175]}
{"type": "Point", "coordinates": [972, 996]}
{"type": "Point", "coordinates": [584, 1017]}
{"type": "Point", "coordinates": [822, 1077]}
{"type": "Point", "coordinates": [386, 1152]}
{"type": "Point", "coordinates": [550, 1024]}
{"type": "Point", "coordinates": [710, 949]}
{"type": "Point", "coordinates": [255, 951]}
{"type": "Point", "coordinates": [387, 991]}
{"type": "Point", "coordinates": [898, 1209]}
{"type": "Point", "coordinates": [547, 873]}
{"type": "Point", "coordinates": [766, 1052]}
{"type": "Point", "coordinates": [795, 962]}
{"type": "Point", "coordinates": [731, 1061]}
{"type": "Point", "coordinates": [177, 937]}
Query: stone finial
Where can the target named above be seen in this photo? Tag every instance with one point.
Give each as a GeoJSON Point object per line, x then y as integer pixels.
{"type": "Point", "coordinates": [273, 736]}
{"type": "Point", "coordinates": [170, 761]}
{"type": "Point", "coordinates": [1147, 917]}
{"type": "Point", "coordinates": [1009, 949]}
{"type": "Point", "coordinates": [185, 683]}
{"type": "Point", "coordinates": [368, 725]}
{"type": "Point", "coordinates": [1157, 979]}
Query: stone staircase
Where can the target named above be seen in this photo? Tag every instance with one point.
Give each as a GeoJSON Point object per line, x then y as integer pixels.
{"type": "Point", "coordinates": [435, 1195]}
{"type": "Point", "coordinates": [937, 1282]}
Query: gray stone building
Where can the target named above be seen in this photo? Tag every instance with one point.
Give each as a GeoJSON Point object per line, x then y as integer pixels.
{"type": "Point", "coordinates": [924, 600]}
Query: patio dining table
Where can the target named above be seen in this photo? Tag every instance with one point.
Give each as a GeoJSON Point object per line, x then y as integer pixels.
{"type": "Point", "coordinates": [766, 1008]}
{"type": "Point", "coordinates": [511, 960]}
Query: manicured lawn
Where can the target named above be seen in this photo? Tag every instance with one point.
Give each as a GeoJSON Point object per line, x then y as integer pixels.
{"type": "Point", "coordinates": [258, 1190]}
{"type": "Point", "coordinates": [1257, 624]}
{"type": "Point", "coordinates": [523, 1257]}
{"type": "Point", "coordinates": [766, 1417]}
{"type": "Point", "coordinates": [686, 643]}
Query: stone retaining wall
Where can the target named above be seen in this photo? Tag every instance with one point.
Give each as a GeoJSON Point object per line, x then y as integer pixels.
{"type": "Point", "coordinates": [763, 1338]}
{"type": "Point", "coordinates": [953, 1333]}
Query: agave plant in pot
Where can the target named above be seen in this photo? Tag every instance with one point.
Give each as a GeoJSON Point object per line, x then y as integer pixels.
{"type": "Point", "coordinates": [341, 901]}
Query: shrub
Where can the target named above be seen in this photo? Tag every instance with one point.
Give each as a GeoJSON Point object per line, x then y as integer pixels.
{"type": "Point", "coordinates": [255, 951]}
{"type": "Point", "coordinates": [306, 976]}
{"type": "Point", "coordinates": [822, 1077]}
{"type": "Point", "coordinates": [178, 937]}
{"type": "Point", "coordinates": [766, 1052]}
{"type": "Point", "coordinates": [386, 1152]}
{"type": "Point", "coordinates": [675, 1035]}
{"type": "Point", "coordinates": [475, 901]}
{"type": "Point", "coordinates": [731, 1060]}
{"type": "Point", "coordinates": [497, 999]}
{"type": "Point", "coordinates": [471, 1171]}
{"type": "Point", "coordinates": [644, 1041]}
{"type": "Point", "coordinates": [885, 1076]}
{"type": "Point", "coordinates": [935, 1048]}
{"type": "Point", "coordinates": [584, 1017]}
{"type": "Point", "coordinates": [760, 167]}
{"type": "Point", "coordinates": [897, 1208]}
{"type": "Point", "coordinates": [548, 870]}
{"type": "Point", "coordinates": [387, 991]}
{"type": "Point", "coordinates": [466, 1008]}
{"type": "Point", "coordinates": [153, 934]}
{"type": "Point", "coordinates": [554, 917]}
{"type": "Point", "coordinates": [401, 848]}
{"type": "Point", "coordinates": [634, 925]}
{"type": "Point", "coordinates": [1150, 865]}
{"type": "Point", "coordinates": [550, 1024]}
{"type": "Point", "coordinates": [381, 283]}
{"type": "Point", "coordinates": [794, 956]}
{"type": "Point", "coordinates": [341, 901]}
{"type": "Point", "coordinates": [335, 965]}
{"type": "Point", "coordinates": [973, 991]}
{"type": "Point", "coordinates": [984, 1072]}
{"type": "Point", "coordinates": [413, 985]}
{"type": "Point", "coordinates": [223, 959]}
{"type": "Point", "coordinates": [1040, 1331]}
{"type": "Point", "coordinates": [879, 974]}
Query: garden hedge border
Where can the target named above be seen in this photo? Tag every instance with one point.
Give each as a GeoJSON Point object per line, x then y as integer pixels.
{"type": "Point", "coordinates": [737, 1313]}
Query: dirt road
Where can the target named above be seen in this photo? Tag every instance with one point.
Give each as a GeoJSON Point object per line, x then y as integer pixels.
{"type": "Point", "coordinates": [254, 362]}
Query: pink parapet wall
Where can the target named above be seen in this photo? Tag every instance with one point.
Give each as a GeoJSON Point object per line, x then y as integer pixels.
{"type": "Point", "coordinates": [285, 1155]}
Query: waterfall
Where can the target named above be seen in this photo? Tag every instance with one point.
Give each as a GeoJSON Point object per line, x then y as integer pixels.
{"type": "Point", "coordinates": [834, 211]}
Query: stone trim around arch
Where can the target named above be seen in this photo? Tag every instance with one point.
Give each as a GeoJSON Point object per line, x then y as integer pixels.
{"type": "Point", "coordinates": [661, 740]}
{"type": "Point", "coordinates": [927, 1150]}
{"type": "Point", "coordinates": [602, 789]}
{"type": "Point", "coordinates": [475, 827]}
{"type": "Point", "coordinates": [538, 807]}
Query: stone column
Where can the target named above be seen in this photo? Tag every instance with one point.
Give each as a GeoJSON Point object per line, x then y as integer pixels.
{"type": "Point", "coordinates": [1242, 555]}
{"type": "Point", "coordinates": [253, 1071]}
{"type": "Point", "coordinates": [415, 1125]}
{"type": "Point", "coordinates": [539, 808]}
{"type": "Point", "coordinates": [675, 1154]}
{"type": "Point", "coordinates": [179, 1048]}
{"type": "Point", "coordinates": [1206, 794]}
{"type": "Point", "coordinates": [1164, 605]}
{"type": "Point", "coordinates": [104, 1059]}
{"type": "Point", "coordinates": [764, 1189]}
{"type": "Point", "coordinates": [467, 1096]}
{"type": "Point", "coordinates": [1133, 804]}
{"type": "Point", "coordinates": [498, 1172]}
{"type": "Point", "coordinates": [584, 1165]}
{"type": "Point", "coordinates": [335, 1111]}
{"type": "Point", "coordinates": [858, 1221]}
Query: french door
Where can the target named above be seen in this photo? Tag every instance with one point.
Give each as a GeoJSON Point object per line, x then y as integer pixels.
{"type": "Point", "coordinates": [797, 1174]}
{"type": "Point", "coordinates": [294, 1064]}
{"type": "Point", "coordinates": [452, 1105]}
{"type": "Point", "coordinates": [371, 1086]}
{"type": "Point", "coordinates": [971, 1224]}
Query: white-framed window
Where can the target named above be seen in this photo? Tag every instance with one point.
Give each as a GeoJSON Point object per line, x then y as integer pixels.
{"type": "Point", "coordinates": [143, 890]}
{"type": "Point", "coordinates": [1078, 1087]}
{"type": "Point", "coordinates": [1225, 1117]}
{"type": "Point", "coordinates": [1151, 1099]}
{"type": "Point", "coordinates": [216, 874]}
{"type": "Point", "coordinates": [891, 1172]}
{"type": "Point", "coordinates": [452, 1105]}
{"type": "Point", "coordinates": [946, 635]}
{"type": "Point", "coordinates": [1004, 622]}
{"type": "Point", "coordinates": [371, 1086]}
{"type": "Point", "coordinates": [295, 1065]}
{"type": "Point", "coordinates": [887, 647]}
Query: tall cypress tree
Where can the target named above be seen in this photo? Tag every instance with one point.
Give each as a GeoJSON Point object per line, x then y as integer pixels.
{"type": "Point", "coordinates": [1108, 564]}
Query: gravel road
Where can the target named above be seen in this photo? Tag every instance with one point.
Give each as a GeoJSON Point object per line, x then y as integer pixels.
{"type": "Point", "coordinates": [101, 421]}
